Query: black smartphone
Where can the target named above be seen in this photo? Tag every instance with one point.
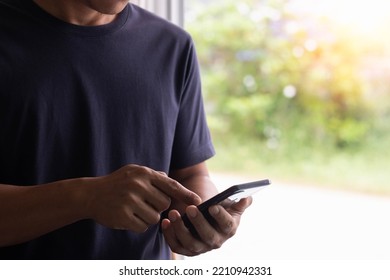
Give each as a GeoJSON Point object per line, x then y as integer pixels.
{"type": "Point", "coordinates": [226, 198]}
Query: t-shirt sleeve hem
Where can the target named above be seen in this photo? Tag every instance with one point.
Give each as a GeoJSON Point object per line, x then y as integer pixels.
{"type": "Point", "coordinates": [200, 155]}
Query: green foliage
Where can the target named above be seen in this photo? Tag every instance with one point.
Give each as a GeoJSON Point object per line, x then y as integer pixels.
{"type": "Point", "coordinates": [291, 85]}
{"type": "Point", "coordinates": [259, 73]}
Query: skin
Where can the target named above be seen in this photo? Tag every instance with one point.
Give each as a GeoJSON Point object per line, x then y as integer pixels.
{"type": "Point", "coordinates": [131, 198]}
{"type": "Point", "coordinates": [178, 236]}
{"type": "Point", "coordinates": [84, 12]}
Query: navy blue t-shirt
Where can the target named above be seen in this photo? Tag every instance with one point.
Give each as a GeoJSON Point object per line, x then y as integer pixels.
{"type": "Point", "coordinates": [79, 101]}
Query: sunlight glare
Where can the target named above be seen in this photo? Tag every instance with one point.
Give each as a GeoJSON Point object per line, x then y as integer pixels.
{"type": "Point", "coordinates": [362, 16]}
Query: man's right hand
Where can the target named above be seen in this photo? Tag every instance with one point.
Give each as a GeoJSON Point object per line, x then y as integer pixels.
{"type": "Point", "coordinates": [133, 197]}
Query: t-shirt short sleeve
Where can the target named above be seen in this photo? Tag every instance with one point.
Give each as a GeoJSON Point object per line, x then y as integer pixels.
{"type": "Point", "coordinates": [192, 142]}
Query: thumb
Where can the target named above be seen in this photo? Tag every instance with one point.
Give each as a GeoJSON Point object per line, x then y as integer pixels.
{"type": "Point", "coordinates": [242, 205]}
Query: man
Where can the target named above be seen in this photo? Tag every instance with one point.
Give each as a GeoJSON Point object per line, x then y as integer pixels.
{"type": "Point", "coordinates": [99, 100]}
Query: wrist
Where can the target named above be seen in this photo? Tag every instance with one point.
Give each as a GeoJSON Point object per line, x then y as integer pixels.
{"type": "Point", "coordinates": [81, 192]}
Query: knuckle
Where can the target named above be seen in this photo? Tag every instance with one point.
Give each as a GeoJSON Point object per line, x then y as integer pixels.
{"type": "Point", "coordinates": [166, 203]}
{"type": "Point", "coordinates": [128, 169]}
{"type": "Point", "coordinates": [175, 185]}
{"type": "Point", "coordinates": [194, 250]}
{"type": "Point", "coordinates": [163, 206]}
{"type": "Point", "coordinates": [162, 173]}
{"type": "Point", "coordinates": [191, 247]}
{"type": "Point", "coordinates": [213, 241]}
{"type": "Point", "coordinates": [144, 170]}
{"type": "Point", "coordinates": [137, 170]}
{"type": "Point", "coordinates": [217, 244]}
{"type": "Point", "coordinates": [229, 228]}
{"type": "Point", "coordinates": [156, 218]}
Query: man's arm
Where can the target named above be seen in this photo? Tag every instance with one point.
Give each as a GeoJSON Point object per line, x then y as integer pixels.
{"type": "Point", "coordinates": [28, 212]}
{"type": "Point", "coordinates": [130, 198]}
{"type": "Point", "coordinates": [181, 241]}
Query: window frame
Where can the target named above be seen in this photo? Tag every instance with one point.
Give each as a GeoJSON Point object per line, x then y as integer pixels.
{"type": "Point", "coordinates": [172, 10]}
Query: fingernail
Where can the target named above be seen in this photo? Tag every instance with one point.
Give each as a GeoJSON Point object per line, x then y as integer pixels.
{"type": "Point", "coordinates": [214, 210]}
{"type": "Point", "coordinates": [164, 225]}
{"type": "Point", "coordinates": [172, 217]}
{"type": "Point", "coordinates": [192, 212]}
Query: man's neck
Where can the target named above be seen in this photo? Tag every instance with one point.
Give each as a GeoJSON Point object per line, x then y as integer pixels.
{"type": "Point", "coordinates": [75, 12]}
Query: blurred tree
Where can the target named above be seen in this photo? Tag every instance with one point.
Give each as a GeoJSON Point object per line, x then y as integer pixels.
{"type": "Point", "coordinates": [288, 82]}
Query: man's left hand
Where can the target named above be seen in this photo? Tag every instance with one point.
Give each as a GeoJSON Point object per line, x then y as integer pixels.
{"type": "Point", "coordinates": [210, 237]}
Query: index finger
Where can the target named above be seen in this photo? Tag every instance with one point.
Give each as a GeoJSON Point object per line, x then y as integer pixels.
{"type": "Point", "coordinates": [175, 190]}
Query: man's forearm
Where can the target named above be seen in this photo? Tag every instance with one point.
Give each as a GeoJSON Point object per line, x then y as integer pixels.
{"type": "Point", "coordinates": [29, 212]}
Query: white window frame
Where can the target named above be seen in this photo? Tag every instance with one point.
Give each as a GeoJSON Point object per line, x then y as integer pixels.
{"type": "Point", "coordinates": [172, 10]}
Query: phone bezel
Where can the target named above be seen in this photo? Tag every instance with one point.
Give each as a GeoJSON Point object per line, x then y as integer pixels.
{"type": "Point", "coordinates": [246, 189]}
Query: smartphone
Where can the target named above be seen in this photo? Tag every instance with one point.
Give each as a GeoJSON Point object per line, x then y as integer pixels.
{"type": "Point", "coordinates": [226, 198]}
